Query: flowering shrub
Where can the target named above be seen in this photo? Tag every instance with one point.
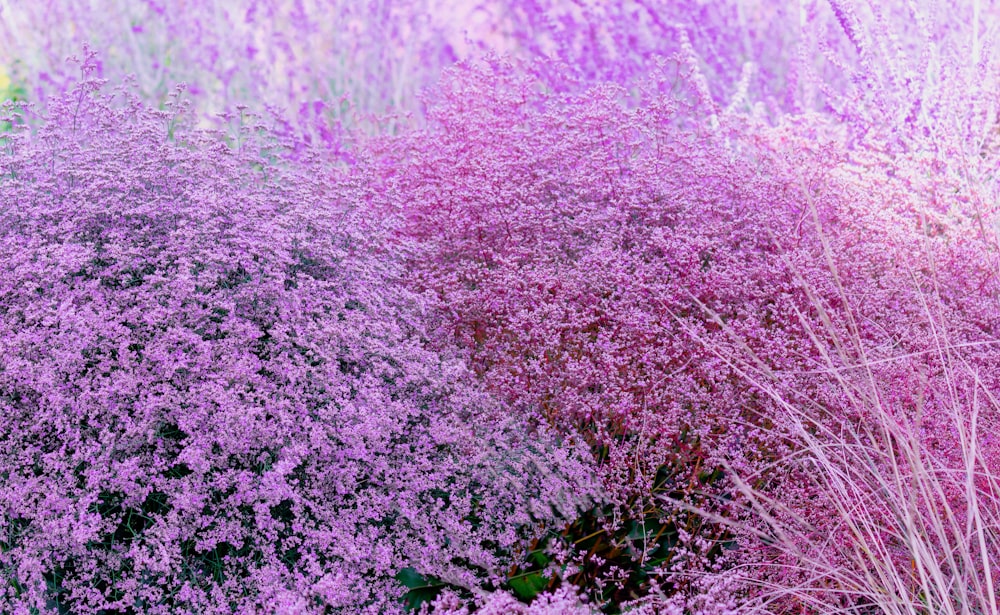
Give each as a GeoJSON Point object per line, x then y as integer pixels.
{"type": "Point", "coordinates": [619, 266]}
{"type": "Point", "coordinates": [678, 308]}
{"type": "Point", "coordinates": [213, 395]}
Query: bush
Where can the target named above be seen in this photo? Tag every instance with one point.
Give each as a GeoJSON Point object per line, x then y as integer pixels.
{"type": "Point", "coordinates": [214, 397]}
{"type": "Point", "coordinates": [633, 268]}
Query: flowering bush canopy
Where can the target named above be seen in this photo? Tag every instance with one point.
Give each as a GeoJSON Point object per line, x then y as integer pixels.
{"type": "Point", "coordinates": [212, 385]}
{"type": "Point", "coordinates": [670, 307]}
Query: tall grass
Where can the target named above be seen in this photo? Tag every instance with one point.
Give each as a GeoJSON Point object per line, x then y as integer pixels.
{"type": "Point", "coordinates": [903, 513]}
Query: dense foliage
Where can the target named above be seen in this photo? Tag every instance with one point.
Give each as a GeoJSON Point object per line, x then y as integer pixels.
{"type": "Point", "coordinates": [215, 395]}
{"type": "Point", "coordinates": [665, 287]}
{"type": "Point", "coordinates": [673, 307]}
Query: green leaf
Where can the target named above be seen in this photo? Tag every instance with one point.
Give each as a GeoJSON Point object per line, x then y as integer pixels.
{"type": "Point", "coordinates": [422, 589]}
{"type": "Point", "coordinates": [539, 558]}
{"type": "Point", "coordinates": [411, 578]}
{"type": "Point", "coordinates": [645, 530]}
{"type": "Point", "coordinates": [413, 599]}
{"type": "Point", "coordinates": [528, 585]}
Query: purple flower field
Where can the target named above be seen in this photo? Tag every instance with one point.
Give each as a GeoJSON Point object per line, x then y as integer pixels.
{"type": "Point", "coordinates": [547, 307]}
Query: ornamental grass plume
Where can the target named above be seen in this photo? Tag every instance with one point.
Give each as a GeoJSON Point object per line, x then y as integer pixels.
{"type": "Point", "coordinates": [215, 398]}
{"type": "Point", "coordinates": [897, 506]}
{"type": "Point", "coordinates": [909, 528]}
{"type": "Point", "coordinates": [903, 468]}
